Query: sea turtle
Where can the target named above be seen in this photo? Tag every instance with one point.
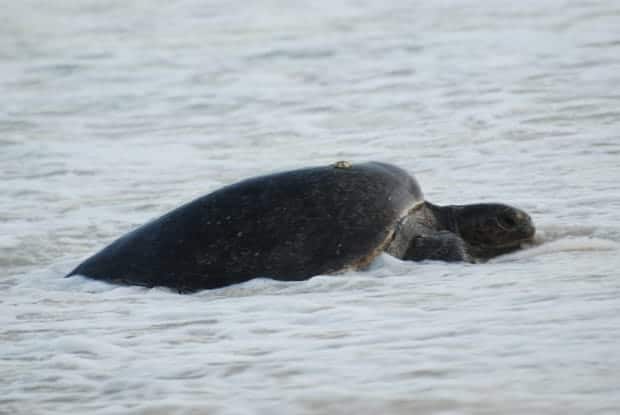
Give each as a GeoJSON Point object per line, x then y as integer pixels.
{"type": "Point", "coordinates": [294, 225]}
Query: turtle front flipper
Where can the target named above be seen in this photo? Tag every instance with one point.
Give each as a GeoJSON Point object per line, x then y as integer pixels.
{"type": "Point", "coordinates": [441, 246]}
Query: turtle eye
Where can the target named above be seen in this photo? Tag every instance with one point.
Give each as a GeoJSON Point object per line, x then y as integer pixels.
{"type": "Point", "coordinates": [506, 220]}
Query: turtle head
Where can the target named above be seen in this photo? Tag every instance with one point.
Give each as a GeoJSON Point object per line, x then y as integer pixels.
{"type": "Point", "coordinates": [492, 229]}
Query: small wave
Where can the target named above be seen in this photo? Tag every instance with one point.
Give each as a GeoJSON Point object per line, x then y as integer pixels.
{"type": "Point", "coordinates": [543, 246]}
{"type": "Point", "coordinates": [578, 244]}
{"type": "Point", "coordinates": [550, 233]}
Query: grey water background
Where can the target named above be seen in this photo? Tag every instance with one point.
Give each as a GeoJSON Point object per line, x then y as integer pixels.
{"type": "Point", "coordinates": [113, 112]}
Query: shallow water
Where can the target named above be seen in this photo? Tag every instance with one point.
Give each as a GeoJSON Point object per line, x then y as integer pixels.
{"type": "Point", "coordinates": [115, 112]}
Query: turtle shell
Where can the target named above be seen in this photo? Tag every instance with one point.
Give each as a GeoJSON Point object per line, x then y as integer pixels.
{"type": "Point", "coordinates": [286, 226]}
